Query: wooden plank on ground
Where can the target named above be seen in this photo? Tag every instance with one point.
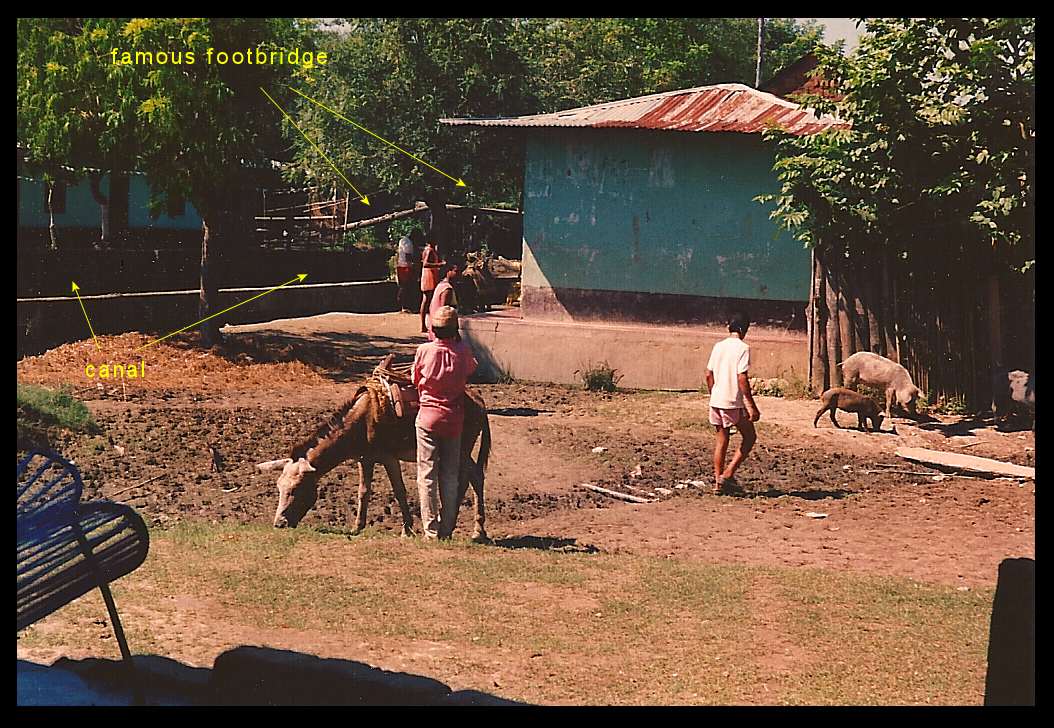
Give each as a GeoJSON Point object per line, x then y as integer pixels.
{"type": "Point", "coordinates": [968, 463]}
{"type": "Point", "coordinates": [616, 494]}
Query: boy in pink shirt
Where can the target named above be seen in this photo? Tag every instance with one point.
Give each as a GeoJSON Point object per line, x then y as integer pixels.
{"type": "Point", "coordinates": [441, 370]}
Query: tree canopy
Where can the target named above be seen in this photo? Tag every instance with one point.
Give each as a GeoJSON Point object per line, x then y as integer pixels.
{"type": "Point", "coordinates": [194, 128]}
{"type": "Point", "coordinates": [190, 126]}
{"type": "Point", "coordinates": [943, 133]}
{"type": "Point", "coordinates": [398, 77]}
{"type": "Point", "coordinates": [922, 213]}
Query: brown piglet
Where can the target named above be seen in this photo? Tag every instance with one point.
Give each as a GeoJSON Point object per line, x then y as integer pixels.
{"type": "Point", "coordinates": [843, 399]}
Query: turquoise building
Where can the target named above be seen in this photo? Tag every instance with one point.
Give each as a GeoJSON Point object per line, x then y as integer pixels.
{"type": "Point", "coordinates": [645, 210]}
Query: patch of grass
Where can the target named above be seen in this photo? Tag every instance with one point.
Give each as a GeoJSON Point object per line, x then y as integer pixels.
{"type": "Point", "coordinates": [931, 636]}
{"type": "Point", "coordinates": [564, 627]}
{"type": "Point", "coordinates": [875, 394]}
{"type": "Point", "coordinates": [798, 387]}
{"type": "Point", "coordinates": [694, 424]}
{"type": "Point", "coordinates": [599, 377]}
{"type": "Point", "coordinates": [504, 375]}
{"type": "Point", "coordinates": [790, 385]}
{"type": "Point", "coordinates": [769, 387]}
{"type": "Point", "coordinates": [43, 413]}
{"type": "Point", "coordinates": [943, 406]}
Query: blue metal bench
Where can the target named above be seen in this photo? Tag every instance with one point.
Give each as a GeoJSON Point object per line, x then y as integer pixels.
{"type": "Point", "coordinates": [67, 548]}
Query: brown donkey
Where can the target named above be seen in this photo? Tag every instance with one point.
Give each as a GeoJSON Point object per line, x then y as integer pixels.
{"type": "Point", "coordinates": [367, 429]}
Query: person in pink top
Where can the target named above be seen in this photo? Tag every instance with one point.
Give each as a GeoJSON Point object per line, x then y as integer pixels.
{"type": "Point", "coordinates": [440, 373]}
{"type": "Point", "coordinates": [444, 295]}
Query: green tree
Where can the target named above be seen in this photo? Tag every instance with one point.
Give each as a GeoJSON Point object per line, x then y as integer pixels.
{"type": "Point", "coordinates": [68, 124]}
{"type": "Point", "coordinates": [587, 61]}
{"type": "Point", "coordinates": [195, 129]}
{"type": "Point", "coordinates": [397, 78]}
{"type": "Point", "coordinates": [943, 119]}
{"type": "Point", "coordinates": [786, 40]}
{"type": "Point", "coordinates": [937, 169]}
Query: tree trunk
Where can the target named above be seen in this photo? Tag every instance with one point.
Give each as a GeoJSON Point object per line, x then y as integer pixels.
{"type": "Point", "coordinates": [845, 326]}
{"type": "Point", "coordinates": [817, 367]}
{"type": "Point", "coordinates": [855, 287]}
{"type": "Point", "coordinates": [833, 339]}
{"type": "Point", "coordinates": [51, 212]}
{"type": "Point", "coordinates": [209, 300]}
{"type": "Point", "coordinates": [440, 233]}
{"type": "Point", "coordinates": [871, 305]}
{"type": "Point", "coordinates": [995, 329]}
{"type": "Point", "coordinates": [104, 206]}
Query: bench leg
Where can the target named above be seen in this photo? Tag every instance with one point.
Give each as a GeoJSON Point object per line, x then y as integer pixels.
{"type": "Point", "coordinates": [126, 654]}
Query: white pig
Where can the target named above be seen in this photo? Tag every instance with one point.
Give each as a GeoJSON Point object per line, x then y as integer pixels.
{"type": "Point", "coordinates": [876, 371]}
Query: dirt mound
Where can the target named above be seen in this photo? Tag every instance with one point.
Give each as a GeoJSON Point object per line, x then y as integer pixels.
{"type": "Point", "coordinates": [174, 363]}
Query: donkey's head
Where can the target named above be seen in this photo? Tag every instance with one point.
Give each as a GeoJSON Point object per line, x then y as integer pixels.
{"type": "Point", "coordinates": [297, 489]}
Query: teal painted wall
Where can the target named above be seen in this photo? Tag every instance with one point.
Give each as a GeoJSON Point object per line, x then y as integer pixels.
{"type": "Point", "coordinates": [139, 213]}
{"type": "Point", "coordinates": [656, 212]}
{"type": "Point", "coordinates": [83, 211]}
{"type": "Point", "coordinates": [81, 208]}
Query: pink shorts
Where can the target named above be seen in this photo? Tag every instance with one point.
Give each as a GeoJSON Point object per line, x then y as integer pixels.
{"type": "Point", "coordinates": [726, 417]}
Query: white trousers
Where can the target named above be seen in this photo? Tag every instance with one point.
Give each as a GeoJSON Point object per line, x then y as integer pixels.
{"type": "Point", "coordinates": [438, 463]}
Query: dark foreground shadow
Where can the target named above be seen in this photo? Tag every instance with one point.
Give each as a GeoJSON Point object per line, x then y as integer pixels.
{"type": "Point", "coordinates": [544, 543]}
{"type": "Point", "coordinates": [245, 675]}
{"type": "Point", "coordinates": [1011, 678]}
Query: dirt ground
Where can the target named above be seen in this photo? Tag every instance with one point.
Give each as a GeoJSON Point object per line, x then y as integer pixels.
{"type": "Point", "coordinates": [181, 444]}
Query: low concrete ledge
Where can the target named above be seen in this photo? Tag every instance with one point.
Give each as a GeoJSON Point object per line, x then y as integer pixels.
{"type": "Point", "coordinates": [647, 357]}
{"type": "Point", "coordinates": [44, 323]}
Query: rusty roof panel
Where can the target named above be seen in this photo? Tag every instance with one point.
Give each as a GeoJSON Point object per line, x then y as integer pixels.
{"type": "Point", "coordinates": [724, 107]}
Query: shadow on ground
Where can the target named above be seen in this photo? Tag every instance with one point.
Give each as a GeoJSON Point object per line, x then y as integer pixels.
{"type": "Point", "coordinates": [544, 543]}
{"type": "Point", "coordinates": [812, 495]}
{"type": "Point", "coordinates": [245, 675]}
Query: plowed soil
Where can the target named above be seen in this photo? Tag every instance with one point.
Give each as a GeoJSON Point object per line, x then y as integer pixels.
{"type": "Point", "coordinates": [181, 444]}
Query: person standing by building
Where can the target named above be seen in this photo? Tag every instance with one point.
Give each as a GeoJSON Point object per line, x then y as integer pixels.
{"type": "Point", "coordinates": [441, 370]}
{"type": "Point", "coordinates": [444, 294]}
{"type": "Point", "coordinates": [430, 265]}
{"type": "Point", "coordinates": [731, 401]}
{"type": "Point", "coordinates": [404, 269]}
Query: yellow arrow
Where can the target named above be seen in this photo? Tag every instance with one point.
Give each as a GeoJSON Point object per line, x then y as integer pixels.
{"type": "Point", "coordinates": [300, 277]}
{"type": "Point", "coordinates": [459, 182]}
{"type": "Point", "coordinates": [362, 197]}
{"type": "Point", "coordinates": [77, 288]}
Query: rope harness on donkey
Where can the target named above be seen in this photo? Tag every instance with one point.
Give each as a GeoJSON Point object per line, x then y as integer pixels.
{"type": "Point", "coordinates": [392, 395]}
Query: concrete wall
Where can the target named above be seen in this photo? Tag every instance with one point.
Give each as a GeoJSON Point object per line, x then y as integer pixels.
{"type": "Point", "coordinates": [43, 323]}
{"type": "Point", "coordinates": [657, 213]}
{"type": "Point", "coordinates": [648, 357]}
{"type": "Point", "coordinates": [44, 273]}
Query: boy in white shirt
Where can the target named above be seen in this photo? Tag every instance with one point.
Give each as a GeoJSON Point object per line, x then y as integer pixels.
{"type": "Point", "coordinates": [726, 378]}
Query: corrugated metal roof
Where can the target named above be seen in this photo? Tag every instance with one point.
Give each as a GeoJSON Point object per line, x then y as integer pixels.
{"type": "Point", "coordinates": [724, 107]}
